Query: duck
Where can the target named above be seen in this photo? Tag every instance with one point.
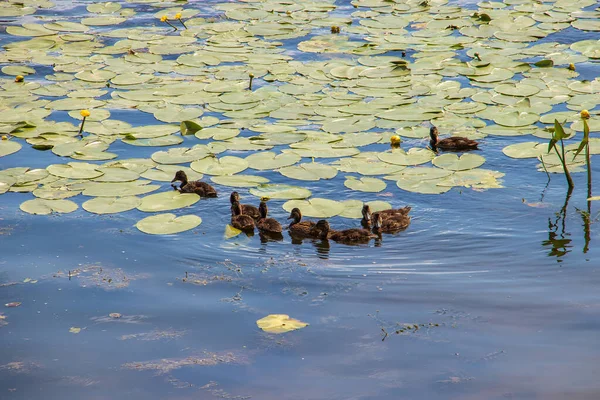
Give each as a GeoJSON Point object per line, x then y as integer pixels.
{"type": "Point", "coordinates": [385, 214]}
{"type": "Point", "coordinates": [347, 236]}
{"type": "Point", "coordinates": [298, 227]}
{"type": "Point", "coordinates": [247, 209]}
{"type": "Point", "coordinates": [264, 224]}
{"type": "Point", "coordinates": [389, 225]}
{"type": "Point", "coordinates": [239, 220]}
{"type": "Point", "coordinates": [202, 189]}
{"type": "Point", "coordinates": [454, 143]}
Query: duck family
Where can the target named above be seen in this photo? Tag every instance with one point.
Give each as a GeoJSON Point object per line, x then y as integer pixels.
{"type": "Point", "coordinates": [247, 217]}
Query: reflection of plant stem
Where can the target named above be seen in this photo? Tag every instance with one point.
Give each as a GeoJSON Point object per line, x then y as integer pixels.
{"type": "Point", "coordinates": [586, 228]}
{"type": "Point", "coordinates": [541, 158]}
{"type": "Point", "coordinates": [80, 134]}
{"type": "Point", "coordinates": [563, 161]}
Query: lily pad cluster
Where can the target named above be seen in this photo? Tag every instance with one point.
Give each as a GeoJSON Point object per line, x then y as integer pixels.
{"type": "Point", "coordinates": [392, 68]}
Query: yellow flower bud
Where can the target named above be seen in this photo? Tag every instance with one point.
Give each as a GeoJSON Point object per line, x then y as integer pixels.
{"type": "Point", "coordinates": [571, 67]}
{"type": "Point", "coordinates": [19, 78]}
{"type": "Point", "coordinates": [251, 75]}
{"type": "Point", "coordinates": [4, 137]}
{"type": "Point", "coordinates": [395, 140]}
{"type": "Point", "coordinates": [585, 114]}
{"type": "Point", "coordinates": [163, 18]}
{"type": "Point", "coordinates": [178, 16]}
{"type": "Point", "coordinates": [84, 113]}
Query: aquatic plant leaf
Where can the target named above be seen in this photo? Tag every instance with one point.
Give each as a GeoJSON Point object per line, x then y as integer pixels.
{"type": "Point", "coordinates": [182, 155]}
{"type": "Point", "coordinates": [46, 207]}
{"type": "Point", "coordinates": [353, 208]}
{"type": "Point", "coordinates": [280, 323]}
{"type": "Point", "coordinates": [111, 189]}
{"type": "Point", "coordinates": [516, 118]}
{"type": "Point", "coordinates": [268, 160]}
{"type": "Point", "coordinates": [372, 185]}
{"type": "Point", "coordinates": [414, 156]}
{"type": "Point", "coordinates": [315, 207]}
{"type": "Point", "coordinates": [168, 224]}
{"type": "Point", "coordinates": [8, 147]}
{"type": "Point", "coordinates": [280, 191]}
{"type": "Point", "coordinates": [453, 162]}
{"type": "Point", "coordinates": [165, 201]}
{"type": "Point", "coordinates": [231, 232]}
{"type": "Point", "coordinates": [74, 329]}
{"type": "Point", "coordinates": [525, 150]}
{"type": "Point", "coordinates": [75, 170]}
{"type": "Point", "coordinates": [309, 171]}
{"type": "Point", "coordinates": [157, 141]}
{"type": "Point", "coordinates": [166, 173]}
{"type": "Point", "coordinates": [428, 186]}
{"type": "Point", "coordinates": [239, 180]}
{"type": "Point", "coordinates": [49, 192]}
{"type": "Point", "coordinates": [227, 165]}
{"type": "Point", "coordinates": [116, 174]}
{"type": "Point", "coordinates": [111, 205]}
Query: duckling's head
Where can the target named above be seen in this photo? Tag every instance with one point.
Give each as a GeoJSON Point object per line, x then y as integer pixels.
{"type": "Point", "coordinates": [263, 209]}
{"type": "Point", "coordinates": [433, 133]}
{"type": "Point", "coordinates": [366, 213]}
{"type": "Point", "coordinates": [323, 227]}
{"type": "Point", "coordinates": [236, 209]}
{"type": "Point", "coordinates": [180, 176]}
{"type": "Point", "coordinates": [377, 221]}
{"type": "Point", "coordinates": [296, 215]}
{"type": "Point", "coordinates": [235, 196]}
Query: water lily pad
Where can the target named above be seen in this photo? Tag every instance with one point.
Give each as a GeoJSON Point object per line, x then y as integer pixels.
{"type": "Point", "coordinates": [111, 205]}
{"type": "Point", "coordinates": [227, 165]}
{"type": "Point", "coordinates": [372, 185]}
{"type": "Point", "coordinates": [165, 201]}
{"type": "Point", "coordinates": [309, 171]}
{"type": "Point", "coordinates": [315, 207]}
{"type": "Point", "coordinates": [269, 160]}
{"type": "Point", "coordinates": [525, 150]}
{"type": "Point", "coordinates": [239, 180]}
{"type": "Point", "coordinates": [46, 207]}
{"type": "Point", "coordinates": [453, 162]}
{"type": "Point", "coordinates": [516, 118]}
{"type": "Point", "coordinates": [353, 208]}
{"type": "Point", "coordinates": [280, 191]}
{"type": "Point", "coordinates": [111, 189]}
{"type": "Point", "coordinates": [231, 232]}
{"type": "Point", "coordinates": [414, 156]}
{"type": "Point", "coordinates": [280, 323]}
{"type": "Point", "coordinates": [157, 141]}
{"type": "Point", "coordinates": [168, 224]}
{"type": "Point", "coordinates": [8, 147]}
{"type": "Point", "coordinates": [116, 174]}
{"type": "Point", "coordinates": [429, 186]}
{"type": "Point", "coordinates": [75, 170]}
{"type": "Point", "coordinates": [182, 155]}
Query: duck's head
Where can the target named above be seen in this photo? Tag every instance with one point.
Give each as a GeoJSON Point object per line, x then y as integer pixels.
{"type": "Point", "coordinates": [366, 213]}
{"type": "Point", "coordinates": [296, 215]}
{"type": "Point", "coordinates": [236, 209]}
{"type": "Point", "coordinates": [322, 227]}
{"type": "Point", "coordinates": [263, 209]}
{"type": "Point", "coordinates": [377, 221]}
{"type": "Point", "coordinates": [180, 176]}
{"type": "Point", "coordinates": [433, 133]}
{"type": "Point", "coordinates": [235, 196]}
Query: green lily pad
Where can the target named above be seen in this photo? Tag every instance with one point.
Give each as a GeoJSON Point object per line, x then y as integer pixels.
{"type": "Point", "coordinates": [372, 185]}
{"type": "Point", "coordinates": [111, 205]}
{"type": "Point", "coordinates": [165, 201]}
{"type": "Point", "coordinates": [525, 150]}
{"type": "Point", "coordinates": [165, 173]}
{"type": "Point", "coordinates": [353, 208]}
{"type": "Point", "coordinates": [516, 118]}
{"type": "Point", "coordinates": [453, 162]}
{"type": "Point", "coordinates": [46, 207]}
{"type": "Point", "coordinates": [309, 171]}
{"type": "Point", "coordinates": [227, 165]}
{"type": "Point", "coordinates": [269, 160]}
{"type": "Point", "coordinates": [414, 156]}
{"type": "Point", "coordinates": [168, 224]}
{"type": "Point", "coordinates": [429, 186]}
{"type": "Point", "coordinates": [157, 141]}
{"type": "Point", "coordinates": [116, 174]}
{"type": "Point", "coordinates": [111, 189]}
{"type": "Point", "coordinates": [315, 207]}
{"type": "Point", "coordinates": [280, 191]}
{"type": "Point", "coordinates": [8, 147]}
{"type": "Point", "coordinates": [182, 155]}
{"type": "Point", "coordinates": [280, 323]}
{"type": "Point", "coordinates": [239, 180]}
{"type": "Point", "coordinates": [75, 170]}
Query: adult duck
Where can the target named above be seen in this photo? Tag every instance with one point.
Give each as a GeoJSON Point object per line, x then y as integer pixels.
{"type": "Point", "coordinates": [454, 143]}
{"type": "Point", "coordinates": [247, 209]}
{"type": "Point", "coordinates": [202, 189]}
{"type": "Point", "coordinates": [239, 220]}
{"type": "Point", "coordinates": [264, 224]}
{"type": "Point", "coordinates": [298, 227]}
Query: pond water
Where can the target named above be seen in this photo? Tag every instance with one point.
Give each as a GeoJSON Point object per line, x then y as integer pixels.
{"type": "Point", "coordinates": [489, 294]}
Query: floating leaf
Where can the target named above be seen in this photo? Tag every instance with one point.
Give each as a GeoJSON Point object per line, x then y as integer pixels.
{"type": "Point", "coordinates": [231, 232]}
{"type": "Point", "coordinates": [8, 147]}
{"type": "Point", "coordinates": [168, 224]}
{"type": "Point", "coordinates": [165, 201]}
{"type": "Point", "coordinates": [227, 165]}
{"type": "Point", "coordinates": [280, 191]}
{"type": "Point", "coordinates": [269, 160]}
{"type": "Point", "coordinates": [111, 189]}
{"type": "Point", "coordinates": [111, 205]}
{"type": "Point", "coordinates": [309, 171]}
{"type": "Point", "coordinates": [74, 330]}
{"type": "Point", "coordinates": [372, 185]}
{"type": "Point", "coordinates": [46, 207]}
{"type": "Point", "coordinates": [453, 162]}
{"type": "Point", "coordinates": [239, 180]}
{"type": "Point", "coordinates": [525, 150]}
{"type": "Point", "coordinates": [414, 156]}
{"type": "Point", "coordinates": [315, 207]}
{"type": "Point", "coordinates": [279, 323]}
{"type": "Point", "coordinates": [75, 170]}
{"type": "Point", "coordinates": [353, 208]}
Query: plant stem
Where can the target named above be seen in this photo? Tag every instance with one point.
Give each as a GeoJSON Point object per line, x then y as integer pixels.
{"type": "Point", "coordinates": [564, 164]}
{"type": "Point", "coordinates": [171, 25]}
{"type": "Point", "coordinates": [588, 163]}
{"type": "Point", "coordinates": [81, 127]}
{"type": "Point", "coordinates": [180, 20]}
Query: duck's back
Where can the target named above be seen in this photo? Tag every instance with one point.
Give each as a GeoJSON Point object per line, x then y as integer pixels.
{"type": "Point", "coordinates": [303, 228]}
{"type": "Point", "coordinates": [242, 222]}
{"type": "Point", "coordinates": [269, 225]}
{"type": "Point", "coordinates": [202, 189]}
{"type": "Point", "coordinates": [251, 211]}
{"type": "Point", "coordinates": [457, 143]}
{"type": "Point", "coordinates": [354, 235]}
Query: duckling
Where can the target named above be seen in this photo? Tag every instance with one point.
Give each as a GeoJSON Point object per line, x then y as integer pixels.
{"type": "Point", "coordinates": [247, 209]}
{"type": "Point", "coordinates": [202, 189]}
{"type": "Point", "coordinates": [390, 225]}
{"type": "Point", "coordinates": [264, 224]}
{"type": "Point", "coordinates": [239, 220]}
{"type": "Point", "coordinates": [454, 143]}
{"type": "Point", "coordinates": [347, 236]}
{"type": "Point", "coordinates": [298, 227]}
{"type": "Point", "coordinates": [385, 214]}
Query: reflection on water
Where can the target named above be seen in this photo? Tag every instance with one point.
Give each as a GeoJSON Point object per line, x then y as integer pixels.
{"type": "Point", "coordinates": [558, 239]}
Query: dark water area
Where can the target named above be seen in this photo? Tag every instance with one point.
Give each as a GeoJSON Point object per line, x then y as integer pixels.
{"type": "Point", "coordinates": [488, 295]}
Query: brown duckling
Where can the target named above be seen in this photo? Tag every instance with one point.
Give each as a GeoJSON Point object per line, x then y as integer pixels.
{"type": "Point", "coordinates": [347, 236]}
{"type": "Point", "coordinates": [239, 220]}
{"type": "Point", "coordinates": [385, 214]}
{"type": "Point", "coordinates": [247, 209]}
{"type": "Point", "coordinates": [298, 227]}
{"type": "Point", "coordinates": [202, 189]}
{"type": "Point", "coordinates": [264, 224]}
{"type": "Point", "coordinates": [389, 225]}
{"type": "Point", "coordinates": [454, 143]}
